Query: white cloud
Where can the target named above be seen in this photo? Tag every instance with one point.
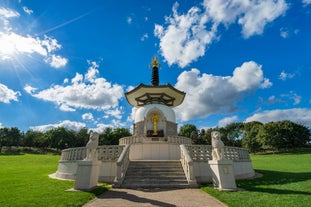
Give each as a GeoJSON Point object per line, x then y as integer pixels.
{"type": "Point", "coordinates": [253, 16]}
{"type": "Point", "coordinates": [298, 115]}
{"type": "Point", "coordinates": [306, 2]}
{"type": "Point", "coordinates": [284, 76]}
{"type": "Point", "coordinates": [144, 37]}
{"type": "Point", "coordinates": [27, 10]}
{"type": "Point", "coordinates": [184, 37]}
{"type": "Point", "coordinates": [72, 125]}
{"type": "Point", "coordinates": [129, 20]}
{"type": "Point", "coordinates": [92, 71]}
{"type": "Point", "coordinates": [87, 116]}
{"type": "Point", "coordinates": [207, 94]}
{"type": "Point", "coordinates": [228, 120]}
{"type": "Point", "coordinates": [56, 61]}
{"type": "Point", "coordinates": [293, 96]}
{"type": "Point", "coordinates": [87, 92]}
{"type": "Point", "coordinates": [115, 113]}
{"type": "Point", "coordinates": [15, 44]}
{"type": "Point", "coordinates": [7, 95]}
{"type": "Point", "coordinates": [8, 13]}
{"type": "Point", "coordinates": [29, 89]}
{"type": "Point", "coordinates": [65, 107]}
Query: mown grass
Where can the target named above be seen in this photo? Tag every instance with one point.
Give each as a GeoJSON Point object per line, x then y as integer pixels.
{"type": "Point", "coordinates": [286, 182]}
{"type": "Point", "coordinates": [24, 181]}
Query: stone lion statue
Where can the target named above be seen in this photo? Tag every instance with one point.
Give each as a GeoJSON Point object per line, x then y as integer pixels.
{"type": "Point", "coordinates": [91, 146]}
{"type": "Point", "coordinates": [217, 146]}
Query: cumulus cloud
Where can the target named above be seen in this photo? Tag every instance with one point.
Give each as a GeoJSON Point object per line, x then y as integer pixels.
{"type": "Point", "coordinates": [115, 113]}
{"type": "Point", "coordinates": [298, 115]}
{"type": "Point", "coordinates": [228, 120]}
{"type": "Point", "coordinates": [72, 125]}
{"type": "Point", "coordinates": [207, 94]}
{"type": "Point", "coordinates": [7, 95]}
{"type": "Point", "coordinates": [87, 116]}
{"type": "Point", "coordinates": [184, 37]}
{"type": "Point", "coordinates": [14, 44]}
{"type": "Point", "coordinates": [56, 61]}
{"type": "Point", "coordinates": [85, 91]}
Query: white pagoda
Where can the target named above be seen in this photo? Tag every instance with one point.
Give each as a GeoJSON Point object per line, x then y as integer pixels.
{"type": "Point", "coordinates": [155, 156]}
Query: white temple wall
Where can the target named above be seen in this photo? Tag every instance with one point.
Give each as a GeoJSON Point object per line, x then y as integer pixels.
{"type": "Point", "coordinates": [154, 151]}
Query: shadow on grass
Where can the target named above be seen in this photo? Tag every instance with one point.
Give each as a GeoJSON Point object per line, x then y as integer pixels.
{"type": "Point", "coordinates": [273, 178]}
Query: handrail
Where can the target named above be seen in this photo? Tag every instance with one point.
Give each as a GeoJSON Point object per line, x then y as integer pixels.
{"type": "Point", "coordinates": [122, 165]}
{"type": "Point", "coordinates": [140, 139]}
{"type": "Point", "coordinates": [187, 164]}
{"type": "Point", "coordinates": [105, 153]}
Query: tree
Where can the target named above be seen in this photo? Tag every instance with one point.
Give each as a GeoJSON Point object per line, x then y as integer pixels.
{"type": "Point", "coordinates": [234, 134]}
{"type": "Point", "coordinates": [190, 131]}
{"type": "Point", "coordinates": [283, 135]}
{"type": "Point", "coordinates": [10, 137]}
{"type": "Point", "coordinates": [250, 139]}
{"type": "Point", "coordinates": [81, 138]}
{"type": "Point", "coordinates": [111, 137]}
{"type": "Point", "coordinates": [60, 138]}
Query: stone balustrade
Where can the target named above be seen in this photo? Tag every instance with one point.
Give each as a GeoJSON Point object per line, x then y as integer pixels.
{"type": "Point", "coordinates": [179, 140]}
{"type": "Point", "coordinates": [105, 153]}
{"type": "Point", "coordinates": [204, 153]}
{"type": "Point", "coordinates": [141, 139]}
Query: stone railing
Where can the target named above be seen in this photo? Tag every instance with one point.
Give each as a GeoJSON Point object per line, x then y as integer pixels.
{"type": "Point", "coordinates": [187, 164]}
{"type": "Point", "coordinates": [131, 140]}
{"type": "Point", "coordinates": [122, 165]}
{"type": "Point", "coordinates": [236, 154]}
{"type": "Point", "coordinates": [204, 153]}
{"type": "Point", "coordinates": [105, 153]}
{"type": "Point", "coordinates": [141, 139]}
{"type": "Point", "coordinates": [179, 140]}
{"type": "Point", "coordinates": [200, 152]}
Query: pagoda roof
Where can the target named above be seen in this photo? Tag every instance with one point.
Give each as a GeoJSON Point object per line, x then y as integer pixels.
{"type": "Point", "coordinates": [150, 94]}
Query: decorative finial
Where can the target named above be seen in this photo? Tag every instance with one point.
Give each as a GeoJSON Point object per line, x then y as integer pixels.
{"type": "Point", "coordinates": [155, 71]}
{"type": "Point", "coordinates": [155, 62]}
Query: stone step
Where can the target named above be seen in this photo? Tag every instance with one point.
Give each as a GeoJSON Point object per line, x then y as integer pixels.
{"type": "Point", "coordinates": [155, 174]}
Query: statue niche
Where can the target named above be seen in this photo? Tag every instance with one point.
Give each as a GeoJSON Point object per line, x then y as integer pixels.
{"type": "Point", "coordinates": [154, 125]}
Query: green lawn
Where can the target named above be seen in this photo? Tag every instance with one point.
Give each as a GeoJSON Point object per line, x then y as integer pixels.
{"type": "Point", "coordinates": [286, 182]}
{"type": "Point", "coordinates": [24, 181]}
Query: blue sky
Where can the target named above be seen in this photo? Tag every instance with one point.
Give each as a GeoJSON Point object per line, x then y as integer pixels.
{"type": "Point", "coordinates": [69, 63]}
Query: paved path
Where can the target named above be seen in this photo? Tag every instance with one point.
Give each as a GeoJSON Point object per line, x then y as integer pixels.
{"type": "Point", "coordinates": [155, 197]}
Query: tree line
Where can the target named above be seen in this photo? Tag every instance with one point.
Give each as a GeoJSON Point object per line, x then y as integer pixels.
{"type": "Point", "coordinates": [255, 136]}
{"type": "Point", "coordinates": [57, 138]}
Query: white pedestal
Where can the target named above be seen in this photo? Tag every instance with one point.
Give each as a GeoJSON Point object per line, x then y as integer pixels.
{"type": "Point", "coordinates": [87, 174]}
{"type": "Point", "coordinates": [222, 175]}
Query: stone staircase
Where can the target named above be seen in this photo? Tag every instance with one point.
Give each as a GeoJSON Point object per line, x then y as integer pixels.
{"type": "Point", "coordinates": [155, 174]}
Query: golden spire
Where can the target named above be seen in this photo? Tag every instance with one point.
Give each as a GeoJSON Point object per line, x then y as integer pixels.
{"type": "Point", "coordinates": [155, 62]}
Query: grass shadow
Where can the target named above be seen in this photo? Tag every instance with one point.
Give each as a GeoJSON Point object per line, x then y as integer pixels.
{"type": "Point", "coordinates": [271, 182]}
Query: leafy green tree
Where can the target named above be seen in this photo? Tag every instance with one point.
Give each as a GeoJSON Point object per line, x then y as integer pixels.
{"type": "Point", "coordinates": [81, 138]}
{"type": "Point", "coordinates": [234, 134]}
{"type": "Point", "coordinates": [61, 138]}
{"type": "Point", "coordinates": [250, 139]}
{"type": "Point", "coordinates": [10, 137]}
{"type": "Point", "coordinates": [190, 131]}
{"type": "Point", "coordinates": [111, 137]}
